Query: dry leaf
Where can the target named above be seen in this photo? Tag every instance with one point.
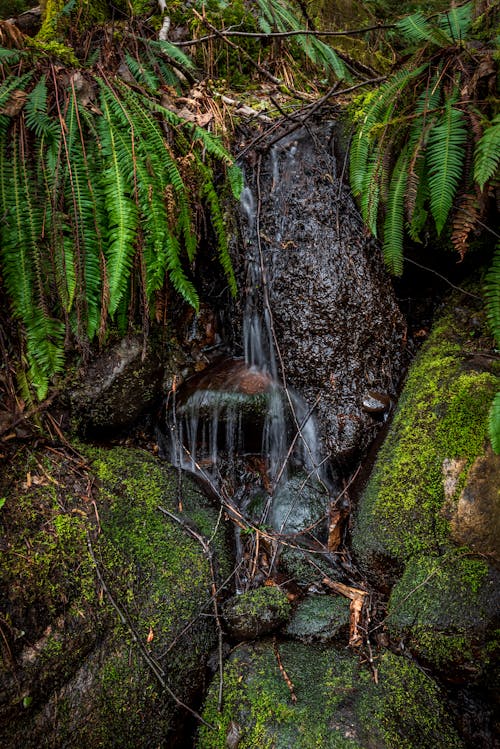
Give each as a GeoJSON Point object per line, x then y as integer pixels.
{"type": "Point", "coordinates": [150, 635]}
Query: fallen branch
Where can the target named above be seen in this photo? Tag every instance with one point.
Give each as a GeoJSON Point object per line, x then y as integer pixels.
{"type": "Point", "coordinates": [279, 34]}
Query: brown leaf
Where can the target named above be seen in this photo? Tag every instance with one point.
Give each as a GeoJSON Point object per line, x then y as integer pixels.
{"type": "Point", "coordinates": [150, 635]}
{"type": "Point", "coordinates": [15, 103]}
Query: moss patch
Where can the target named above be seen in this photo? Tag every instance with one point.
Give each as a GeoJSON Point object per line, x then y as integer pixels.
{"type": "Point", "coordinates": [441, 416]}
{"type": "Point", "coordinates": [78, 663]}
{"type": "Point", "coordinates": [338, 706]}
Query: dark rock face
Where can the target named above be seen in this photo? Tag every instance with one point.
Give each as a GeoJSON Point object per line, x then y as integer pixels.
{"type": "Point", "coordinates": [336, 321]}
{"type": "Point", "coordinates": [93, 591]}
{"type": "Point", "coordinates": [117, 387]}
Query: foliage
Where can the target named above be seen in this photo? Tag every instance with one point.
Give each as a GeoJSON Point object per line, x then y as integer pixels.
{"type": "Point", "coordinates": [100, 187]}
{"type": "Point", "coordinates": [426, 150]}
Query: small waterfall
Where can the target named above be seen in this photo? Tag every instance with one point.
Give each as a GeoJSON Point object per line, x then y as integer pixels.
{"type": "Point", "coordinates": [239, 408]}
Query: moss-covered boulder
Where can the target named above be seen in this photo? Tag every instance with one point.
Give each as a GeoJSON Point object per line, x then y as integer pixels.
{"type": "Point", "coordinates": [256, 612]}
{"type": "Point", "coordinates": [411, 521]}
{"type": "Point", "coordinates": [101, 596]}
{"type": "Point", "coordinates": [320, 619]}
{"type": "Point", "coordinates": [326, 700]}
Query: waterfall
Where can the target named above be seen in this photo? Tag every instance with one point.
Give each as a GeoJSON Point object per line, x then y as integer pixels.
{"type": "Point", "coordinates": [237, 408]}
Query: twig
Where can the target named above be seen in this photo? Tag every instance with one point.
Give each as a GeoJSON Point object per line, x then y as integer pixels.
{"type": "Point", "coordinates": [209, 554]}
{"type": "Point", "coordinates": [279, 34]}
{"type": "Point", "coordinates": [284, 674]}
{"type": "Point", "coordinates": [431, 270]}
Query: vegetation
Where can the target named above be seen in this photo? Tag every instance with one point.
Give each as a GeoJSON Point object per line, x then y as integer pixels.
{"type": "Point", "coordinates": [426, 151]}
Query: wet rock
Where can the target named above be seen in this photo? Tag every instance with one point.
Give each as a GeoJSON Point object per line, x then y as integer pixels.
{"type": "Point", "coordinates": [475, 518]}
{"type": "Point", "coordinates": [117, 387]}
{"type": "Point", "coordinates": [432, 503]}
{"type": "Point", "coordinates": [297, 505]}
{"type": "Point", "coordinates": [326, 700]}
{"type": "Point", "coordinates": [256, 613]}
{"type": "Point", "coordinates": [319, 619]}
{"type": "Point", "coordinates": [376, 403]}
{"type": "Point", "coordinates": [85, 650]}
{"type": "Point", "coordinates": [335, 316]}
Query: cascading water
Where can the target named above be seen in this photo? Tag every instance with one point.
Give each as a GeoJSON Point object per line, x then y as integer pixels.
{"type": "Point", "coordinates": [237, 409]}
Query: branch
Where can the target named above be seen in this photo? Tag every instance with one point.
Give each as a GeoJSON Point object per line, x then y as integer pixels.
{"type": "Point", "coordinates": [279, 34]}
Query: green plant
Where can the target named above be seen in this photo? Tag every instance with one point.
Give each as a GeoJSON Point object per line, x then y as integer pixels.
{"type": "Point", "coordinates": [100, 186]}
{"type": "Point", "coordinates": [427, 144]}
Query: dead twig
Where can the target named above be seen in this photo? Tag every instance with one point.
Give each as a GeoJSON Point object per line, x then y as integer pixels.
{"type": "Point", "coordinates": [284, 674]}
{"type": "Point", "coordinates": [280, 34]}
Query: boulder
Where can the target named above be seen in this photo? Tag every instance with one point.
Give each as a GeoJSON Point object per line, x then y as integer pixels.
{"type": "Point", "coordinates": [334, 313]}
{"type": "Point", "coordinates": [116, 387]}
{"type": "Point", "coordinates": [300, 696]}
{"type": "Point", "coordinates": [319, 619]}
{"type": "Point", "coordinates": [256, 612]}
{"type": "Point", "coordinates": [101, 595]}
{"type": "Point", "coordinates": [430, 506]}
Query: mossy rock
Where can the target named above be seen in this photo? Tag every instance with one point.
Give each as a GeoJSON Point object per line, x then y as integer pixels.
{"type": "Point", "coordinates": [402, 529]}
{"type": "Point", "coordinates": [338, 705]}
{"type": "Point", "coordinates": [256, 612]}
{"type": "Point", "coordinates": [319, 619]}
{"type": "Point", "coordinates": [101, 599]}
{"type": "Point", "coordinates": [443, 608]}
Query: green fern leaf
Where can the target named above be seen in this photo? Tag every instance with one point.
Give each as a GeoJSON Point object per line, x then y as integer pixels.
{"type": "Point", "coordinates": [416, 28]}
{"type": "Point", "coordinates": [37, 118]}
{"type": "Point", "coordinates": [457, 21]}
{"type": "Point", "coordinates": [492, 294]}
{"type": "Point", "coordinates": [445, 158]}
{"type": "Point", "coordinates": [394, 221]}
{"type": "Point", "coordinates": [487, 155]}
{"type": "Point", "coordinates": [236, 180]}
{"type": "Point", "coordinates": [120, 207]}
{"type": "Point", "coordinates": [141, 73]}
{"type": "Point", "coordinates": [172, 52]}
{"type": "Point", "coordinates": [494, 424]}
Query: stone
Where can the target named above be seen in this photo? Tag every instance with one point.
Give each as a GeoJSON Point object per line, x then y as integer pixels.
{"type": "Point", "coordinates": [95, 589]}
{"type": "Point", "coordinates": [117, 387]}
{"type": "Point", "coordinates": [334, 312]}
{"type": "Point", "coordinates": [325, 700]}
{"type": "Point", "coordinates": [426, 526]}
{"type": "Point", "coordinates": [256, 612]}
{"type": "Point", "coordinates": [320, 619]}
{"type": "Point", "coordinates": [475, 520]}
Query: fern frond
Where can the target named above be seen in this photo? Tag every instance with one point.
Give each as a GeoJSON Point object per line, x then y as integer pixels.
{"type": "Point", "coordinates": [236, 180]}
{"type": "Point", "coordinates": [11, 84]}
{"type": "Point", "coordinates": [141, 73]}
{"type": "Point", "coordinates": [177, 275]}
{"type": "Point", "coordinates": [464, 222]}
{"type": "Point", "coordinates": [492, 294]}
{"type": "Point", "coordinates": [394, 220]}
{"type": "Point", "coordinates": [457, 21]}
{"type": "Point", "coordinates": [172, 52]}
{"type": "Point", "coordinates": [416, 28]}
{"type": "Point", "coordinates": [487, 154]}
{"type": "Point", "coordinates": [120, 207]}
{"type": "Point", "coordinates": [445, 158]}
{"type": "Point", "coordinates": [37, 118]}
{"type": "Point", "coordinates": [209, 193]}
{"type": "Point", "coordinates": [494, 424]}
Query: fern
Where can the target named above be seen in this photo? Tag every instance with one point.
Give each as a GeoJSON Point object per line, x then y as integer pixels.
{"type": "Point", "coordinates": [394, 221]}
{"type": "Point", "coordinates": [279, 15]}
{"type": "Point", "coordinates": [142, 74]}
{"type": "Point", "coordinates": [37, 118]}
{"type": "Point", "coordinates": [487, 155]}
{"type": "Point", "coordinates": [120, 207]}
{"type": "Point", "coordinates": [494, 424]}
{"type": "Point", "coordinates": [457, 21]}
{"type": "Point", "coordinates": [445, 158]}
{"type": "Point", "coordinates": [416, 29]}
{"type": "Point", "coordinates": [208, 192]}
{"type": "Point", "coordinates": [236, 180]}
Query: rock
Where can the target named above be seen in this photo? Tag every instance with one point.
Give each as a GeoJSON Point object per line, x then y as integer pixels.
{"type": "Point", "coordinates": [117, 387]}
{"type": "Point", "coordinates": [432, 502]}
{"type": "Point", "coordinates": [319, 619]}
{"type": "Point", "coordinates": [298, 504]}
{"type": "Point", "coordinates": [335, 702]}
{"type": "Point", "coordinates": [256, 613]}
{"type": "Point", "coordinates": [335, 315]}
{"type": "Point", "coordinates": [475, 518]}
{"type": "Point", "coordinates": [85, 650]}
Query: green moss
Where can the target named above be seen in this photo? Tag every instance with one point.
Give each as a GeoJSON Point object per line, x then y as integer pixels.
{"type": "Point", "coordinates": [442, 606]}
{"type": "Point", "coordinates": [442, 415]}
{"type": "Point", "coordinates": [338, 705]}
{"type": "Point", "coordinates": [405, 709]}
{"type": "Point", "coordinates": [156, 573]}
